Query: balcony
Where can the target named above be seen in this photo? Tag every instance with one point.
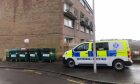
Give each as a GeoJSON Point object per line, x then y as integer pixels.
{"type": "Point", "coordinates": [70, 14]}
{"type": "Point", "coordinates": [88, 25]}
{"type": "Point", "coordinates": [91, 26]}
{"type": "Point", "coordinates": [82, 22]}
{"type": "Point", "coordinates": [86, 22]}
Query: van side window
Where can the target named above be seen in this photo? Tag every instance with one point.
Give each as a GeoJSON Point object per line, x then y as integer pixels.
{"type": "Point", "coordinates": [82, 47]}
{"type": "Point", "coordinates": [102, 46]}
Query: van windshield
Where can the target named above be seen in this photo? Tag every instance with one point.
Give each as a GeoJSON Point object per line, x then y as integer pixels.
{"type": "Point", "coordinates": [82, 47]}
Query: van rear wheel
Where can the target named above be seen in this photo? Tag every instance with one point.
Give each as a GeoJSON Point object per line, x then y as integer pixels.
{"type": "Point", "coordinates": [118, 65]}
{"type": "Point", "coordinates": [70, 63]}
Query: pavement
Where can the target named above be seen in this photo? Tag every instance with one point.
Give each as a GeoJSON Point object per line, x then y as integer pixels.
{"type": "Point", "coordinates": [105, 75]}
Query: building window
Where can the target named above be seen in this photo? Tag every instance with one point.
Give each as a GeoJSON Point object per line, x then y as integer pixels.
{"type": "Point", "coordinates": [68, 22]}
{"type": "Point", "coordinates": [82, 29]}
{"type": "Point", "coordinates": [82, 19]}
{"type": "Point", "coordinates": [81, 15]}
{"type": "Point", "coordinates": [82, 2]}
{"type": "Point", "coordinates": [91, 32]}
{"type": "Point", "coordinates": [87, 9]}
{"type": "Point", "coordinates": [68, 40]}
{"type": "Point", "coordinates": [87, 31]}
{"type": "Point", "coordinates": [66, 7]}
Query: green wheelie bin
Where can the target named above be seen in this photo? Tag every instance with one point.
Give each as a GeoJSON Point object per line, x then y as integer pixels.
{"type": "Point", "coordinates": [48, 54]}
{"type": "Point", "coordinates": [14, 54]}
{"type": "Point", "coordinates": [45, 53]}
{"type": "Point", "coordinates": [33, 56]}
{"type": "Point", "coordinates": [23, 55]}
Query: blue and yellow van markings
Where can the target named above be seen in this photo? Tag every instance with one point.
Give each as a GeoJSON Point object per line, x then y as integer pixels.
{"type": "Point", "coordinates": [111, 53]}
{"type": "Point", "coordinates": [91, 59]}
{"type": "Point", "coordinates": [101, 53]}
{"type": "Point", "coordinates": [75, 54]}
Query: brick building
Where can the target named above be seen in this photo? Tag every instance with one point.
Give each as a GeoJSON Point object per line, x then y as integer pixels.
{"type": "Point", "coordinates": [57, 24]}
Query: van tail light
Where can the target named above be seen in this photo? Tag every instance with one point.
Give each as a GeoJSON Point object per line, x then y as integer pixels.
{"type": "Point", "coordinates": [129, 53]}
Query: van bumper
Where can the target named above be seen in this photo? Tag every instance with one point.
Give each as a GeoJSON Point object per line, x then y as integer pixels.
{"type": "Point", "coordinates": [128, 63]}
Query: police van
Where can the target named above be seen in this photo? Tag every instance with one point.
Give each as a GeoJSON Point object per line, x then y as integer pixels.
{"type": "Point", "coordinates": [115, 53]}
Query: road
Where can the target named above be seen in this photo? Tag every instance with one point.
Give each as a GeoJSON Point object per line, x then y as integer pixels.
{"type": "Point", "coordinates": [130, 75]}
{"type": "Point", "coordinates": [14, 76]}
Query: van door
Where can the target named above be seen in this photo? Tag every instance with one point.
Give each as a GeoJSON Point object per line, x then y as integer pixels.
{"type": "Point", "coordinates": [102, 49]}
{"type": "Point", "coordinates": [81, 53]}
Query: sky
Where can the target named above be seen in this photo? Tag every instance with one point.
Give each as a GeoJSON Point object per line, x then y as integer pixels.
{"type": "Point", "coordinates": [117, 19]}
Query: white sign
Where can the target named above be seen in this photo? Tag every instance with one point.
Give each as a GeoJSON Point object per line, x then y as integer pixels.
{"type": "Point", "coordinates": [32, 55]}
{"type": "Point", "coordinates": [26, 40]}
{"type": "Point", "coordinates": [45, 55]}
{"type": "Point", "coordinates": [22, 55]}
{"type": "Point", "coordinates": [13, 55]}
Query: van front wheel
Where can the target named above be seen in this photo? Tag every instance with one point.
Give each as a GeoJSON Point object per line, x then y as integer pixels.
{"type": "Point", "coordinates": [70, 63]}
{"type": "Point", "coordinates": [118, 65]}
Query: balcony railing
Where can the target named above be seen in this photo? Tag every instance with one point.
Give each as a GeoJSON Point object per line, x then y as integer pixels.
{"type": "Point", "coordinates": [82, 22]}
{"type": "Point", "coordinates": [91, 26]}
{"type": "Point", "coordinates": [70, 13]}
{"type": "Point", "coordinates": [86, 24]}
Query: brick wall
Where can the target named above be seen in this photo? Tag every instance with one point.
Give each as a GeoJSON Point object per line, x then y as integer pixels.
{"type": "Point", "coordinates": [37, 20]}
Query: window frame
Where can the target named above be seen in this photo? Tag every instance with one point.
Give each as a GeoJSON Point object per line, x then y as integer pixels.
{"type": "Point", "coordinates": [87, 31]}
{"type": "Point", "coordinates": [68, 40]}
{"type": "Point", "coordinates": [102, 46]}
{"type": "Point", "coordinates": [68, 22]}
{"type": "Point", "coordinates": [82, 29]}
{"type": "Point", "coordinates": [82, 2]}
{"type": "Point", "coordinates": [66, 7]}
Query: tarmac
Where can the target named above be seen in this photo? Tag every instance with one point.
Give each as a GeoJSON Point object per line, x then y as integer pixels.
{"type": "Point", "coordinates": [104, 75]}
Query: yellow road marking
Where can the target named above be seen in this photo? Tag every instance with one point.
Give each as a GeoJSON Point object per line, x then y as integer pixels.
{"type": "Point", "coordinates": [77, 82]}
{"type": "Point", "coordinates": [28, 70]}
{"type": "Point", "coordinates": [33, 71]}
{"type": "Point", "coordinates": [38, 73]}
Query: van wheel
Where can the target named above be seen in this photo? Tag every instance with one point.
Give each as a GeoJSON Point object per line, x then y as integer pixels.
{"type": "Point", "coordinates": [118, 65]}
{"type": "Point", "coordinates": [70, 63]}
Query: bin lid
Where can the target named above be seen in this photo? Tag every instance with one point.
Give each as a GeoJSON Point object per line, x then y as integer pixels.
{"type": "Point", "coordinates": [14, 50]}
